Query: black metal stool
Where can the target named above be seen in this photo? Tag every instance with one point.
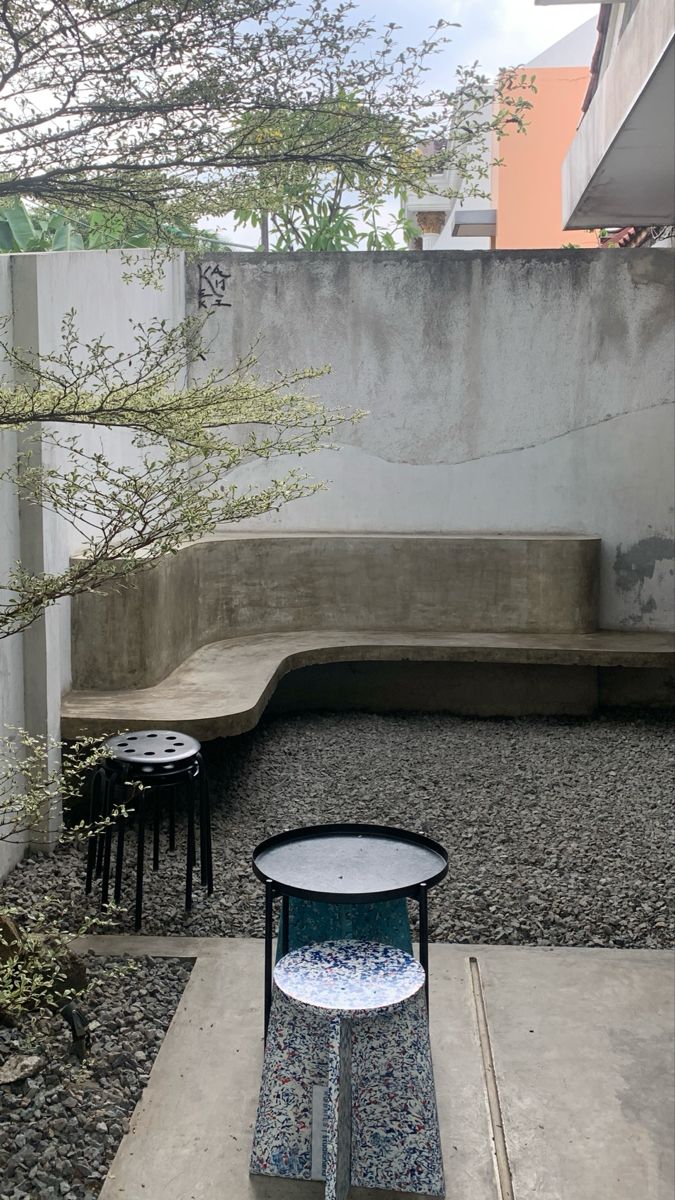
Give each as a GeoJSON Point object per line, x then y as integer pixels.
{"type": "Point", "coordinates": [144, 766]}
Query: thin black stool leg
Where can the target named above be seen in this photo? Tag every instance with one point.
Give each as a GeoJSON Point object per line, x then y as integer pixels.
{"type": "Point", "coordinates": [95, 787]}
{"type": "Point", "coordinates": [269, 918]}
{"type": "Point", "coordinates": [203, 830]}
{"type": "Point", "coordinates": [119, 859]}
{"type": "Point", "coordinates": [140, 825]}
{"type": "Point", "coordinates": [424, 938]}
{"type": "Point", "coordinates": [107, 841]}
{"type": "Point", "coordinates": [285, 931]}
{"type": "Point", "coordinates": [209, 840]}
{"type": "Point", "coordinates": [100, 839]}
{"type": "Point", "coordinates": [155, 830]}
{"type": "Point", "coordinates": [172, 818]}
{"type": "Point", "coordinates": [190, 844]}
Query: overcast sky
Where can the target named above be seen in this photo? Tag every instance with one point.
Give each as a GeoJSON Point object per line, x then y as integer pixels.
{"type": "Point", "coordinates": [496, 33]}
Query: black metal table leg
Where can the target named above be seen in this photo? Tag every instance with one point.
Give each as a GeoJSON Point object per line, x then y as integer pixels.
{"type": "Point", "coordinates": [269, 918]}
{"type": "Point", "coordinates": [285, 930]}
{"type": "Point", "coordinates": [424, 937]}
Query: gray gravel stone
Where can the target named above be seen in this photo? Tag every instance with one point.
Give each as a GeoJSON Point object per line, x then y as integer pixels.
{"type": "Point", "coordinates": [559, 831]}
{"type": "Point", "coordinates": [47, 1155]}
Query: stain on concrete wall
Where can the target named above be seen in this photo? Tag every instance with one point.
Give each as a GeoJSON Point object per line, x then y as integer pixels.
{"type": "Point", "coordinates": [652, 559]}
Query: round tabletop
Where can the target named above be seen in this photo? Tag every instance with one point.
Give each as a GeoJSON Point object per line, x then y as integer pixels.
{"type": "Point", "coordinates": [350, 863]}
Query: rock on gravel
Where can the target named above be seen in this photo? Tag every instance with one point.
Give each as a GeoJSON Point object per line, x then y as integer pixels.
{"type": "Point", "coordinates": [559, 830]}
{"type": "Point", "coordinates": [60, 1128]}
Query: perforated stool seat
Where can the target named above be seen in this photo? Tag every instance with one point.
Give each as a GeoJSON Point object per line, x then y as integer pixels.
{"type": "Point", "coordinates": [347, 1092]}
{"type": "Point", "coordinates": [144, 768]}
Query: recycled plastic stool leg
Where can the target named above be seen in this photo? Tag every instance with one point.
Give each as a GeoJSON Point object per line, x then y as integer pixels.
{"type": "Point", "coordinates": [339, 1110]}
{"type": "Point", "coordinates": [347, 1092]}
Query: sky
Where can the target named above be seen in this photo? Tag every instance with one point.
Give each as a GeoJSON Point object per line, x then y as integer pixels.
{"type": "Point", "coordinates": [495, 33]}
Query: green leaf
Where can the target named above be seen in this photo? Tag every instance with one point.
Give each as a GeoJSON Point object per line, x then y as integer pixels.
{"type": "Point", "coordinates": [21, 227]}
{"type": "Point", "coordinates": [67, 238]}
{"type": "Point", "coordinates": [7, 243]}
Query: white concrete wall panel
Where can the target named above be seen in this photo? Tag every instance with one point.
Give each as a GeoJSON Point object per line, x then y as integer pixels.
{"type": "Point", "coordinates": [37, 290]}
{"type": "Point", "coordinates": [11, 658]}
{"type": "Point", "coordinates": [512, 391]}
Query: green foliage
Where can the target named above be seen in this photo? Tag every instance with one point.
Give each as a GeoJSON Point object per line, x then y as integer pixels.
{"type": "Point", "coordinates": [40, 779]}
{"type": "Point", "coordinates": [40, 782]}
{"type": "Point", "coordinates": [171, 486]}
{"type": "Point", "coordinates": [22, 229]}
{"type": "Point", "coordinates": [201, 108]}
{"type": "Point", "coordinates": [339, 205]}
{"type": "Point", "coordinates": [34, 228]}
{"type": "Point", "coordinates": [35, 970]}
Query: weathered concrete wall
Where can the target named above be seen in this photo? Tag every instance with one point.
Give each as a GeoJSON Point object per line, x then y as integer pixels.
{"type": "Point", "coordinates": [11, 656]}
{"type": "Point", "coordinates": [238, 585]}
{"type": "Point", "coordinates": [514, 391]}
{"type": "Point", "coordinates": [37, 291]}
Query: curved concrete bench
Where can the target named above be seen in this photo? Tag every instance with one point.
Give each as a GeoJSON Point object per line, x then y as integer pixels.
{"type": "Point", "coordinates": [234, 585]}
{"type": "Point", "coordinates": [223, 688]}
{"type": "Point", "coordinates": [201, 640]}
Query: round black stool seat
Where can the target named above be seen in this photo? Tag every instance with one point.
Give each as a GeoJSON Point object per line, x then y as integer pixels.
{"type": "Point", "coordinates": [145, 766]}
{"type": "Point", "coordinates": [154, 751]}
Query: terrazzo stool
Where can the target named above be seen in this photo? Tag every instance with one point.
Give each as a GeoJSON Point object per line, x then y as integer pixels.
{"type": "Point", "coordinates": [347, 1092]}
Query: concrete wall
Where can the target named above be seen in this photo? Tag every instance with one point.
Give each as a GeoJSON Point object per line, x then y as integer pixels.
{"type": "Point", "coordinates": [37, 290]}
{"type": "Point", "coordinates": [239, 585]}
{"type": "Point", "coordinates": [507, 392]}
{"type": "Point", "coordinates": [11, 649]}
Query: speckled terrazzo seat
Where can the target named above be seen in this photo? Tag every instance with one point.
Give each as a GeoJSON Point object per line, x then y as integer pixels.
{"type": "Point", "coordinates": [347, 1092]}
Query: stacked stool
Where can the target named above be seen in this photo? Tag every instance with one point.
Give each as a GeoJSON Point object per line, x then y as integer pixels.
{"type": "Point", "coordinates": [144, 769]}
{"type": "Point", "coordinates": [347, 1092]}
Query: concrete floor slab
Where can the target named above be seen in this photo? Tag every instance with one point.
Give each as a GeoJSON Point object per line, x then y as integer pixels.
{"type": "Point", "coordinates": [583, 1045]}
{"type": "Point", "coordinates": [574, 1062]}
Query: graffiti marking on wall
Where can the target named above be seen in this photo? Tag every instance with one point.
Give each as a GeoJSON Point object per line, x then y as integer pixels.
{"type": "Point", "coordinates": [212, 286]}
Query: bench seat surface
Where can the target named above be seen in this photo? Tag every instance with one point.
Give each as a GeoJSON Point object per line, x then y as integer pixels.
{"type": "Point", "coordinates": [223, 688]}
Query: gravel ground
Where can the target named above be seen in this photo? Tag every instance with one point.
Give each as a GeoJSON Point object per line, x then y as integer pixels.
{"type": "Point", "coordinates": [60, 1128]}
{"type": "Point", "coordinates": [560, 831]}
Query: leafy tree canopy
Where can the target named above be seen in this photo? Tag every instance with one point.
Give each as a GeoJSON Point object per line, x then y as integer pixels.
{"type": "Point", "coordinates": [194, 106]}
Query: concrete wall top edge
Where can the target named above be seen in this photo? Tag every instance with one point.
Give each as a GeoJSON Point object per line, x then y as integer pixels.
{"type": "Point", "coordinates": [280, 535]}
{"type": "Point", "coordinates": [393, 535]}
{"type": "Point", "coordinates": [258, 258]}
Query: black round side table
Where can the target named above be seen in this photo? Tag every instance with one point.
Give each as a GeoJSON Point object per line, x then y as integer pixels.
{"type": "Point", "coordinates": [347, 864]}
{"type": "Point", "coordinates": [145, 768]}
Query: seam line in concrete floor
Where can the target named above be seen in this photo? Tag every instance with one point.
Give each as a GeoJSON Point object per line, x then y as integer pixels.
{"type": "Point", "coordinates": [492, 1091]}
